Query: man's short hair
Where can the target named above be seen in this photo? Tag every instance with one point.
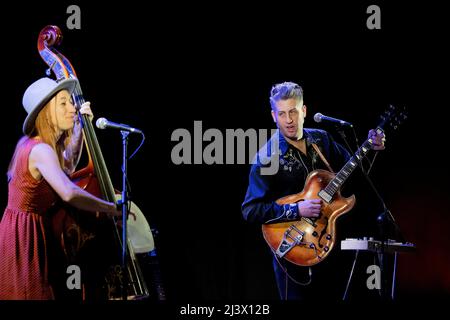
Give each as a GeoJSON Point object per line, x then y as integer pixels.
{"type": "Point", "coordinates": [285, 91]}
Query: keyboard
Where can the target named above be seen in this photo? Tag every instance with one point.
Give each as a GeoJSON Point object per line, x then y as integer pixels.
{"type": "Point", "coordinates": [369, 244]}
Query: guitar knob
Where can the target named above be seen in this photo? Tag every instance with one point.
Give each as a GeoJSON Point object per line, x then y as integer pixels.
{"type": "Point", "coordinates": [326, 249]}
{"type": "Point", "coordinates": [314, 234]}
{"type": "Point", "coordinates": [328, 237]}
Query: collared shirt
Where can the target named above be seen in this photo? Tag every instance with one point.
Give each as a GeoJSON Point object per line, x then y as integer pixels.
{"type": "Point", "coordinates": [294, 166]}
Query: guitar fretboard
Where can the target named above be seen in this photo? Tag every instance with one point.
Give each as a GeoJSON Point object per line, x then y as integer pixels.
{"type": "Point", "coordinates": [336, 183]}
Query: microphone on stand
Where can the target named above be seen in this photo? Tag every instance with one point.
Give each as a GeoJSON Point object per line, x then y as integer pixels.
{"type": "Point", "coordinates": [318, 117]}
{"type": "Point", "coordinates": [103, 123]}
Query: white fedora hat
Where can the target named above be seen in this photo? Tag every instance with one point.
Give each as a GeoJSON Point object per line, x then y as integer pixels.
{"type": "Point", "coordinates": [38, 94]}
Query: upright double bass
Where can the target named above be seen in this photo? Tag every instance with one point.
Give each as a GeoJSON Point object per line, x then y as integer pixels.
{"type": "Point", "coordinates": [94, 244]}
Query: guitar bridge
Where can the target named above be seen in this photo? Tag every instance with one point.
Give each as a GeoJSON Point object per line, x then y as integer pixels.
{"type": "Point", "coordinates": [291, 238]}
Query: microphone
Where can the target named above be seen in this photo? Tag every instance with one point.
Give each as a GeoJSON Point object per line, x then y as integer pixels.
{"type": "Point", "coordinates": [318, 117]}
{"type": "Point", "coordinates": [102, 123]}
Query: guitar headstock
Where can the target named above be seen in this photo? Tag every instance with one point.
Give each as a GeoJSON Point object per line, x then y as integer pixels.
{"type": "Point", "coordinates": [393, 117]}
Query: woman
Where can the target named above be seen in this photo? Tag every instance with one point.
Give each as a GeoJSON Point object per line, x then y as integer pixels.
{"type": "Point", "coordinates": [37, 177]}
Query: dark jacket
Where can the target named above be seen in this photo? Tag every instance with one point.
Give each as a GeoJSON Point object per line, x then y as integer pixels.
{"type": "Point", "coordinates": [263, 190]}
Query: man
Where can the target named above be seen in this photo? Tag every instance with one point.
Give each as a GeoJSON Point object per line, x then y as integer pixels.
{"type": "Point", "coordinates": [297, 158]}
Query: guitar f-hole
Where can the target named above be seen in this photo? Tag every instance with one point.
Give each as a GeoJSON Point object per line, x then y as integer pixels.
{"type": "Point", "coordinates": [322, 233]}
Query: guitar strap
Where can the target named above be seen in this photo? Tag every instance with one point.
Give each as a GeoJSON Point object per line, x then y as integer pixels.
{"type": "Point", "coordinates": [322, 157]}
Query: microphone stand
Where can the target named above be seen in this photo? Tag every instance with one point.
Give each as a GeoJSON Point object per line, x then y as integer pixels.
{"type": "Point", "coordinates": [124, 203]}
{"type": "Point", "coordinates": [382, 219]}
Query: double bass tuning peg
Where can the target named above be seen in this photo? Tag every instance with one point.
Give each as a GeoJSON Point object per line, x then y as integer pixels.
{"type": "Point", "coordinates": [48, 72]}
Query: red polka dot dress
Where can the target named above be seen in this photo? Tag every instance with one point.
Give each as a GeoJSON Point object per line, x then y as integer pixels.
{"type": "Point", "coordinates": [23, 243]}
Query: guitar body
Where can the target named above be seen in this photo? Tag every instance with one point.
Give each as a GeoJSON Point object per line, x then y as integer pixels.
{"type": "Point", "coordinates": [308, 241]}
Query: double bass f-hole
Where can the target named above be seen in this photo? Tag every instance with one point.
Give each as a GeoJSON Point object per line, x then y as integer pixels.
{"type": "Point", "coordinates": [95, 244]}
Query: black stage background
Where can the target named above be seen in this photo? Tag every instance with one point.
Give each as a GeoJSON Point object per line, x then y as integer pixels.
{"type": "Point", "coordinates": [162, 67]}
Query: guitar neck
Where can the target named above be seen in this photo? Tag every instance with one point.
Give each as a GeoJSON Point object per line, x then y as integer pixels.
{"type": "Point", "coordinates": [336, 183]}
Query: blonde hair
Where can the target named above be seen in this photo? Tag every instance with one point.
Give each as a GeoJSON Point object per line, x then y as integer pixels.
{"type": "Point", "coordinates": [46, 131]}
{"type": "Point", "coordinates": [285, 91]}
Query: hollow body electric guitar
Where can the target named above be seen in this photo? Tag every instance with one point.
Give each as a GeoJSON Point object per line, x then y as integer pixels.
{"type": "Point", "coordinates": [308, 241]}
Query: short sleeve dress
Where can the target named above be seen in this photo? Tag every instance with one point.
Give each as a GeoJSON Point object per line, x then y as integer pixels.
{"type": "Point", "coordinates": [23, 243]}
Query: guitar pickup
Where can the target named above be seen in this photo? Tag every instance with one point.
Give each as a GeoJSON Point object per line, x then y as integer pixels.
{"type": "Point", "coordinates": [325, 196]}
{"type": "Point", "coordinates": [310, 221]}
{"type": "Point", "coordinates": [291, 238]}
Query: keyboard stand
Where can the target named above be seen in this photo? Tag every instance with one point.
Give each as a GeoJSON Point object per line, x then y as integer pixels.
{"type": "Point", "coordinates": [376, 246]}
